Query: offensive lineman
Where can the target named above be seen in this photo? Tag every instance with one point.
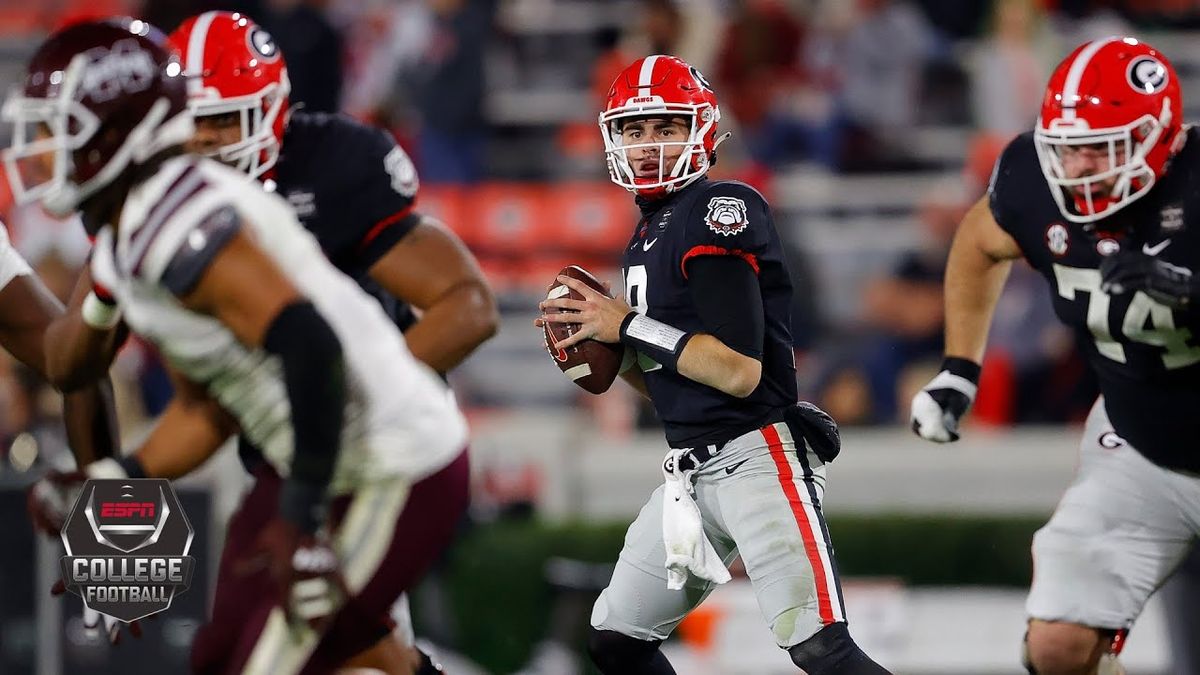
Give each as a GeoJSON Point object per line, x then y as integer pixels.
{"type": "Point", "coordinates": [709, 330]}
{"type": "Point", "coordinates": [1100, 199]}
{"type": "Point", "coordinates": [252, 320]}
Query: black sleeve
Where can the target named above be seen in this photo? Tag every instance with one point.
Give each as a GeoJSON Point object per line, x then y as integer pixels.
{"type": "Point", "coordinates": [727, 296]}
{"type": "Point", "coordinates": [729, 218]}
{"type": "Point", "coordinates": [376, 191]}
{"type": "Point", "coordinates": [314, 375]}
{"type": "Point", "coordinates": [1007, 188]}
{"type": "Point", "coordinates": [386, 234]}
{"type": "Point", "coordinates": [197, 250]}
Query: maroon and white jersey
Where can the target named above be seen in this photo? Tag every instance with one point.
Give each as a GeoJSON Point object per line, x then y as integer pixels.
{"type": "Point", "coordinates": [400, 417]}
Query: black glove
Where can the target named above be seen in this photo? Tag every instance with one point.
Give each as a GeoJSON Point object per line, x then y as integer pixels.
{"type": "Point", "coordinates": [820, 431]}
{"type": "Point", "coordinates": [1131, 270]}
{"type": "Point", "coordinates": [939, 407]}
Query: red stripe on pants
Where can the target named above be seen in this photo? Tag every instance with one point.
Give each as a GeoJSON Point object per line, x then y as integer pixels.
{"type": "Point", "coordinates": [786, 481]}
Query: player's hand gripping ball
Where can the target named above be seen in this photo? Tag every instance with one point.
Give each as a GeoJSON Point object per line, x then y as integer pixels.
{"type": "Point", "coordinates": [589, 363]}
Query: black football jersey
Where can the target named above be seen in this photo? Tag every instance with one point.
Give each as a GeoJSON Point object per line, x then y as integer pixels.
{"type": "Point", "coordinates": [1146, 356]}
{"type": "Point", "coordinates": [711, 218]}
{"type": "Point", "coordinates": [353, 188]}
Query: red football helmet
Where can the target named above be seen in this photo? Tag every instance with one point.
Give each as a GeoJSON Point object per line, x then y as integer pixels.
{"type": "Point", "coordinates": [234, 66]}
{"type": "Point", "coordinates": [98, 97]}
{"type": "Point", "coordinates": [661, 86]}
{"type": "Point", "coordinates": [1120, 96]}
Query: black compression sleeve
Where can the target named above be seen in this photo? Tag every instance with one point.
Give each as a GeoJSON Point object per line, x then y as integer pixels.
{"type": "Point", "coordinates": [314, 375]}
{"type": "Point", "coordinates": [726, 294]}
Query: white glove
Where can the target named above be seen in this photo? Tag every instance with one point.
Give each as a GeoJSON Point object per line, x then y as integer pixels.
{"type": "Point", "coordinates": [939, 407]}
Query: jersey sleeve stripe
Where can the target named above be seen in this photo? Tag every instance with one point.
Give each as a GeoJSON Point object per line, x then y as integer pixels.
{"type": "Point", "coordinates": [382, 225]}
{"type": "Point", "coordinates": [697, 251]}
{"type": "Point", "coordinates": [187, 186]}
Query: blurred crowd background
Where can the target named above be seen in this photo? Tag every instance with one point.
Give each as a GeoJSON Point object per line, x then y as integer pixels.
{"type": "Point", "coordinates": [870, 126]}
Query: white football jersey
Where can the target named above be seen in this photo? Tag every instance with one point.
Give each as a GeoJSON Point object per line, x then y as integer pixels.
{"type": "Point", "coordinates": [400, 418]}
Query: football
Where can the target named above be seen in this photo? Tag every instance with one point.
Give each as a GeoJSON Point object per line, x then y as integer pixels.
{"type": "Point", "coordinates": [590, 364]}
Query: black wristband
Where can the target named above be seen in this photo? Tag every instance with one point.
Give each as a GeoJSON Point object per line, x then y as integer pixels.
{"type": "Point", "coordinates": [655, 339]}
{"type": "Point", "coordinates": [133, 466]}
{"type": "Point", "coordinates": [302, 504]}
{"type": "Point", "coordinates": [964, 368]}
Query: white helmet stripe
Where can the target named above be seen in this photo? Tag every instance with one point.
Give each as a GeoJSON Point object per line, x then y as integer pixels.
{"type": "Point", "coordinates": [194, 64]}
{"type": "Point", "coordinates": [1075, 74]}
{"type": "Point", "coordinates": [646, 76]}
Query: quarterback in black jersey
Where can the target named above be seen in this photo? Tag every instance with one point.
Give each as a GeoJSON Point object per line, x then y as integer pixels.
{"type": "Point", "coordinates": [707, 329]}
{"type": "Point", "coordinates": [354, 189]}
{"type": "Point", "coordinates": [1100, 200]}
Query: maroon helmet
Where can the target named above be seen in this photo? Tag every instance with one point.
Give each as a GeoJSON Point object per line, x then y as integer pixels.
{"type": "Point", "coordinates": [98, 97]}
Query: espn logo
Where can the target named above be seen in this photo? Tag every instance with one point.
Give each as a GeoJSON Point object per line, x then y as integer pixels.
{"type": "Point", "coordinates": [126, 509]}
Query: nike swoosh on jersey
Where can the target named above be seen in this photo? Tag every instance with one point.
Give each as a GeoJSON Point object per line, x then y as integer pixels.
{"type": "Point", "coordinates": [1157, 248]}
{"type": "Point", "coordinates": [646, 246]}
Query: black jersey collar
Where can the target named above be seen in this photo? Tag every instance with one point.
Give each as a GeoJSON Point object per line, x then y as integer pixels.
{"type": "Point", "coordinates": [649, 206]}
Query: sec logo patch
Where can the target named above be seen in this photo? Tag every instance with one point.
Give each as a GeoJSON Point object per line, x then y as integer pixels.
{"type": "Point", "coordinates": [1057, 239]}
{"type": "Point", "coordinates": [727, 216]}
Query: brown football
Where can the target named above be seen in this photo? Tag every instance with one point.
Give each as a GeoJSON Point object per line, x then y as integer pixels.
{"type": "Point", "coordinates": [590, 364]}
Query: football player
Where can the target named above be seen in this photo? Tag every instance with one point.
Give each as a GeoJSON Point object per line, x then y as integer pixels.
{"type": "Point", "coordinates": [348, 183]}
{"type": "Point", "coordinates": [706, 324]}
{"type": "Point", "coordinates": [1100, 199]}
{"type": "Point", "coordinates": [263, 337]}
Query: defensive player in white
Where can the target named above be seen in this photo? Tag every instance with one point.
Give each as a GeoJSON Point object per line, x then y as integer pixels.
{"type": "Point", "coordinates": [262, 335]}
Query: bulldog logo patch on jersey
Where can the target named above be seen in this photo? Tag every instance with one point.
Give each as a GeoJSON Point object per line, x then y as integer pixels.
{"type": "Point", "coordinates": [727, 216]}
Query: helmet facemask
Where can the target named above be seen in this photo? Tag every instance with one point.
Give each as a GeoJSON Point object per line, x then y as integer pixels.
{"type": "Point", "coordinates": [257, 151]}
{"type": "Point", "coordinates": [692, 163]}
{"type": "Point", "coordinates": [60, 126]}
{"type": "Point", "coordinates": [47, 131]}
{"type": "Point", "coordinates": [1126, 148]}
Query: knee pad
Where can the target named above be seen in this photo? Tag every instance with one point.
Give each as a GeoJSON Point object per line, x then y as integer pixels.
{"type": "Point", "coordinates": [833, 652]}
{"type": "Point", "coordinates": [614, 652]}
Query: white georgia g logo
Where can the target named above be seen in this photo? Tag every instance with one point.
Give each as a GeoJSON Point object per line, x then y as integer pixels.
{"type": "Point", "coordinates": [1147, 75]}
{"type": "Point", "coordinates": [727, 215]}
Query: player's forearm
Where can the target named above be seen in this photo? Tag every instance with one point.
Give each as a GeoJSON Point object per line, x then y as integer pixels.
{"type": "Point", "coordinates": [707, 360]}
{"type": "Point", "coordinates": [973, 283]}
{"type": "Point", "coordinates": [454, 326]}
{"type": "Point", "coordinates": [187, 434]}
{"type": "Point", "coordinates": [91, 422]}
{"type": "Point", "coordinates": [77, 353]}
